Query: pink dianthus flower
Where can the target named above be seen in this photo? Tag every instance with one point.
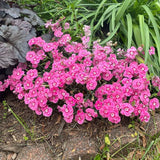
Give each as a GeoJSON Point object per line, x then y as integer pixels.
{"type": "Point", "coordinates": [113, 115]}
{"type": "Point", "coordinates": [31, 74]}
{"type": "Point", "coordinates": [80, 116]}
{"type": "Point", "coordinates": [98, 104]}
{"type": "Point", "coordinates": [126, 109]}
{"type": "Point", "coordinates": [154, 103]}
{"type": "Point", "coordinates": [66, 26]}
{"type": "Point", "coordinates": [144, 116]}
{"type": "Point", "coordinates": [69, 48]}
{"type": "Point", "coordinates": [17, 73]}
{"type": "Point", "coordinates": [138, 84]}
{"type": "Point", "coordinates": [70, 100]}
{"type": "Point", "coordinates": [33, 104]}
{"type": "Point", "coordinates": [28, 84]}
{"type": "Point", "coordinates": [131, 53]}
{"type": "Point", "coordinates": [58, 33]}
{"type": "Point", "coordinates": [66, 110]}
{"type": "Point", "coordinates": [47, 111]}
{"type": "Point", "coordinates": [79, 97]}
{"type": "Point", "coordinates": [91, 85]}
{"type": "Point", "coordinates": [41, 54]}
{"type": "Point", "coordinates": [89, 114]}
{"type": "Point", "coordinates": [107, 75]}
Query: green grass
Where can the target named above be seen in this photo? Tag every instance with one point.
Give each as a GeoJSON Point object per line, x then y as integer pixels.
{"type": "Point", "coordinates": [145, 147]}
{"type": "Point", "coordinates": [21, 122]}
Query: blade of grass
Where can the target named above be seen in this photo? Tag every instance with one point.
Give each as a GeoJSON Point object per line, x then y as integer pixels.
{"type": "Point", "coordinates": [86, 16]}
{"type": "Point", "coordinates": [147, 41]}
{"type": "Point", "coordinates": [129, 24]}
{"type": "Point", "coordinates": [121, 149]}
{"type": "Point", "coordinates": [157, 44]}
{"type": "Point", "coordinates": [18, 119]}
{"type": "Point", "coordinates": [142, 29]}
{"type": "Point", "coordinates": [122, 9]}
{"type": "Point", "coordinates": [137, 35]}
{"type": "Point", "coordinates": [52, 10]}
{"type": "Point", "coordinates": [89, 4]}
{"type": "Point", "coordinates": [77, 2]}
{"type": "Point", "coordinates": [155, 26]}
{"type": "Point", "coordinates": [107, 11]}
{"type": "Point", "coordinates": [113, 20]}
{"type": "Point", "coordinates": [99, 7]}
{"type": "Point", "coordinates": [149, 147]}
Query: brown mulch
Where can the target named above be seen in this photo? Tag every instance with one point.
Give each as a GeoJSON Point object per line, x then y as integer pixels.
{"type": "Point", "coordinates": [59, 137]}
{"type": "Point", "coordinates": [53, 130]}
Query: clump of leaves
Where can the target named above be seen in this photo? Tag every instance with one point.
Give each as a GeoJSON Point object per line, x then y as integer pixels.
{"type": "Point", "coordinates": [16, 29]}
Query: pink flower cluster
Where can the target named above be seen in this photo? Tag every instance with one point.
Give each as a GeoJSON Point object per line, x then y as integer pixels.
{"type": "Point", "coordinates": [81, 84]}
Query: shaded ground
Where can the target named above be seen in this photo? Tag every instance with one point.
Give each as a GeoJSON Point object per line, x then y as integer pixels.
{"type": "Point", "coordinates": [60, 139]}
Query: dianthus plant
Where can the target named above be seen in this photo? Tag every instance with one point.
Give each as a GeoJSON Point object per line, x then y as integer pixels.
{"type": "Point", "coordinates": [81, 82]}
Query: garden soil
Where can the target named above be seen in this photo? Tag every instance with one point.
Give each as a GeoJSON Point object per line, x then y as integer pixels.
{"type": "Point", "coordinates": [27, 136]}
{"type": "Point", "coordinates": [21, 127]}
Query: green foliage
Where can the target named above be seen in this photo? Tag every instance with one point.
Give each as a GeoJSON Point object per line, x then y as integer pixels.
{"type": "Point", "coordinates": [132, 22]}
{"type": "Point", "coordinates": [25, 138]}
{"type": "Point", "coordinates": [135, 21]}
{"type": "Point", "coordinates": [57, 9]}
{"type": "Point", "coordinates": [5, 104]}
{"type": "Point", "coordinates": [103, 154]}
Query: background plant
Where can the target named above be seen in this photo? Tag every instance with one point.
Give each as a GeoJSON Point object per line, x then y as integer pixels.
{"type": "Point", "coordinates": [133, 22]}
{"type": "Point", "coordinates": [130, 22]}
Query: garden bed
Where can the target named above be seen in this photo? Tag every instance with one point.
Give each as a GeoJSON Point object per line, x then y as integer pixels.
{"type": "Point", "coordinates": [56, 139]}
{"type": "Point", "coordinates": [69, 80]}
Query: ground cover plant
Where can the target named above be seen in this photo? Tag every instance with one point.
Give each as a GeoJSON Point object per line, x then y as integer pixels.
{"type": "Point", "coordinates": [122, 20]}
{"type": "Point", "coordinates": [81, 82]}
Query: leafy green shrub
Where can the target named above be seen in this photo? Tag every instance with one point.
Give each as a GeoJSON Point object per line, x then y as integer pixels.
{"type": "Point", "coordinates": [134, 22]}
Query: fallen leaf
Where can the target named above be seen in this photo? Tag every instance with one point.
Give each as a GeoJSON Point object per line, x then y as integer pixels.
{"type": "Point", "coordinates": [139, 155]}
{"type": "Point", "coordinates": [102, 147]}
{"type": "Point", "coordinates": [144, 141]}
{"type": "Point", "coordinates": [130, 155]}
{"type": "Point", "coordinates": [142, 128]}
